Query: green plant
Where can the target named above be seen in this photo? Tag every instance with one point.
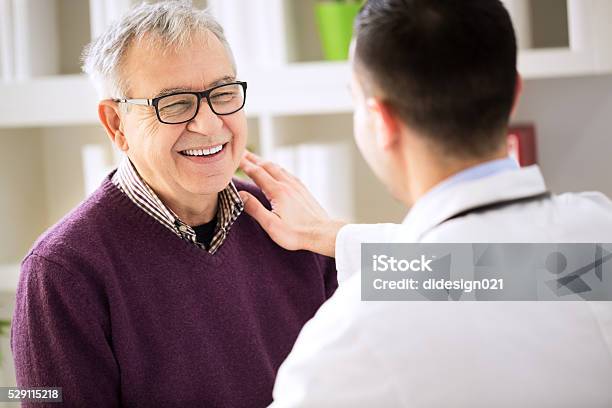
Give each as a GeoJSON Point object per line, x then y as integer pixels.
{"type": "Point", "coordinates": [4, 325]}
{"type": "Point", "coordinates": [335, 21]}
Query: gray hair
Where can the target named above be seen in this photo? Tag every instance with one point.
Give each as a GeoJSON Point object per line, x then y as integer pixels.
{"type": "Point", "coordinates": [174, 22]}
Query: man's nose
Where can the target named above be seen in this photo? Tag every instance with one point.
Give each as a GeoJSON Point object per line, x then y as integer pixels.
{"type": "Point", "coordinates": [206, 121]}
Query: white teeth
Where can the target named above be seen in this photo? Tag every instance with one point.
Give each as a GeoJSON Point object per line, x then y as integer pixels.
{"type": "Point", "coordinates": [203, 152]}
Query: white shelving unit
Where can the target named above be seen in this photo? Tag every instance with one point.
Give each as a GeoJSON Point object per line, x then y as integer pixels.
{"type": "Point", "coordinates": [48, 115]}
{"type": "Point", "coordinates": [585, 50]}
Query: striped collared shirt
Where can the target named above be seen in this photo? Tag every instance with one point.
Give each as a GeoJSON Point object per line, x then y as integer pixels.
{"type": "Point", "coordinates": [230, 207]}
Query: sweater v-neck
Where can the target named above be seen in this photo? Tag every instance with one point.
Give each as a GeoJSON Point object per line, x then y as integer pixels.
{"type": "Point", "coordinates": [151, 227]}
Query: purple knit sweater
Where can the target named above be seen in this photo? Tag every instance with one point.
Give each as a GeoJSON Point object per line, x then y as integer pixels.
{"type": "Point", "coordinates": [118, 311]}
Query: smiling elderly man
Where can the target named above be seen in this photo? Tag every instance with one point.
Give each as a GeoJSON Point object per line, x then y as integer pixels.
{"type": "Point", "coordinates": [158, 290]}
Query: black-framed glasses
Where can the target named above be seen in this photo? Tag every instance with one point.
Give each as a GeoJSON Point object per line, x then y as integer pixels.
{"type": "Point", "coordinates": [181, 107]}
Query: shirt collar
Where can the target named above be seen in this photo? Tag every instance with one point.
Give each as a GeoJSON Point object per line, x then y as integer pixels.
{"type": "Point", "coordinates": [476, 172]}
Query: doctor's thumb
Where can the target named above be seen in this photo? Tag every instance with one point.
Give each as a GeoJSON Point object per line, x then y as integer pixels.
{"type": "Point", "coordinates": [256, 209]}
{"type": "Point", "coordinates": [245, 196]}
{"type": "Point", "coordinates": [269, 221]}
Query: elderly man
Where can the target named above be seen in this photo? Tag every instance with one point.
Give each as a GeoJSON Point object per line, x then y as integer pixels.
{"type": "Point", "coordinates": [158, 290]}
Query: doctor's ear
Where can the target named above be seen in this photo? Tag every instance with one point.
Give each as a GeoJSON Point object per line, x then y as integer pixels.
{"type": "Point", "coordinates": [109, 114]}
{"type": "Point", "coordinates": [518, 91]}
{"type": "Point", "coordinates": [386, 123]}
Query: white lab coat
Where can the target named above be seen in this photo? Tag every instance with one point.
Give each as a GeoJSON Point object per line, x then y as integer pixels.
{"type": "Point", "coordinates": [460, 354]}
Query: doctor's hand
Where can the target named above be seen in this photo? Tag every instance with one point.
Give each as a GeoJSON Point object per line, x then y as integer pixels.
{"type": "Point", "coordinates": [296, 221]}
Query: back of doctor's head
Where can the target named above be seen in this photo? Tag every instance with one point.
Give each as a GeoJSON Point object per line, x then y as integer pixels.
{"type": "Point", "coordinates": [447, 68]}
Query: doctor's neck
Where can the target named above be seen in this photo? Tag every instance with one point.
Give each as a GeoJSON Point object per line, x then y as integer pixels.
{"type": "Point", "coordinates": [426, 165]}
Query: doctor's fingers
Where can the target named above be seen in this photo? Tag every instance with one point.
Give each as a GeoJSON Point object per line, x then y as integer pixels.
{"type": "Point", "coordinates": [271, 222]}
{"type": "Point", "coordinates": [264, 180]}
{"type": "Point", "coordinates": [279, 189]}
{"type": "Point", "coordinates": [276, 171]}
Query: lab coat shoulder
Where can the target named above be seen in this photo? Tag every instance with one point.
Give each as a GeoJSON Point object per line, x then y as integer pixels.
{"type": "Point", "coordinates": [587, 215]}
{"type": "Point", "coordinates": [591, 202]}
{"type": "Point", "coordinates": [569, 217]}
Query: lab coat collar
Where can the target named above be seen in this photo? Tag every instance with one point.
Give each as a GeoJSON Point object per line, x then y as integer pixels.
{"type": "Point", "coordinates": [433, 209]}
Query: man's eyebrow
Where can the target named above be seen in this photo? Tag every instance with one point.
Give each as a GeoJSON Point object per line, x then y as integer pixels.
{"type": "Point", "coordinates": [168, 91]}
{"type": "Point", "coordinates": [224, 80]}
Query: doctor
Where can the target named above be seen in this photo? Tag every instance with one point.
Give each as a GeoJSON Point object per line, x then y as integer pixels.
{"type": "Point", "coordinates": [434, 84]}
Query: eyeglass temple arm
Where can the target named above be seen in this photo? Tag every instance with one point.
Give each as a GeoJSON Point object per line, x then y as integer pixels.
{"type": "Point", "coordinates": [147, 102]}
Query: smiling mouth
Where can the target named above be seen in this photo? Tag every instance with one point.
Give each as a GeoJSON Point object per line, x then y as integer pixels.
{"type": "Point", "coordinates": [212, 151]}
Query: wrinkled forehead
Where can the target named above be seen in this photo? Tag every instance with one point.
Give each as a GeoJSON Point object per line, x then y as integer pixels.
{"type": "Point", "coordinates": [154, 65]}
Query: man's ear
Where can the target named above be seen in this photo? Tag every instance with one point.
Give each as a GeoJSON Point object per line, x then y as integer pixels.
{"type": "Point", "coordinates": [108, 111]}
{"type": "Point", "coordinates": [386, 123]}
{"type": "Point", "coordinates": [518, 90]}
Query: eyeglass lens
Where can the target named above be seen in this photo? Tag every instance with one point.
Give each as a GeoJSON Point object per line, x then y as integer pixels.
{"type": "Point", "coordinates": [182, 107]}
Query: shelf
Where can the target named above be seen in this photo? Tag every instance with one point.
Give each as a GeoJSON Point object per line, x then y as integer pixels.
{"type": "Point", "coordinates": [308, 88]}
{"type": "Point", "coordinates": [556, 63]}
{"type": "Point", "coordinates": [49, 101]}
{"type": "Point", "coordinates": [300, 89]}
{"type": "Point", "coordinates": [9, 277]}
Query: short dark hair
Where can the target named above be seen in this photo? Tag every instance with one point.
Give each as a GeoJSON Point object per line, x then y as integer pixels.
{"type": "Point", "coordinates": [446, 67]}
